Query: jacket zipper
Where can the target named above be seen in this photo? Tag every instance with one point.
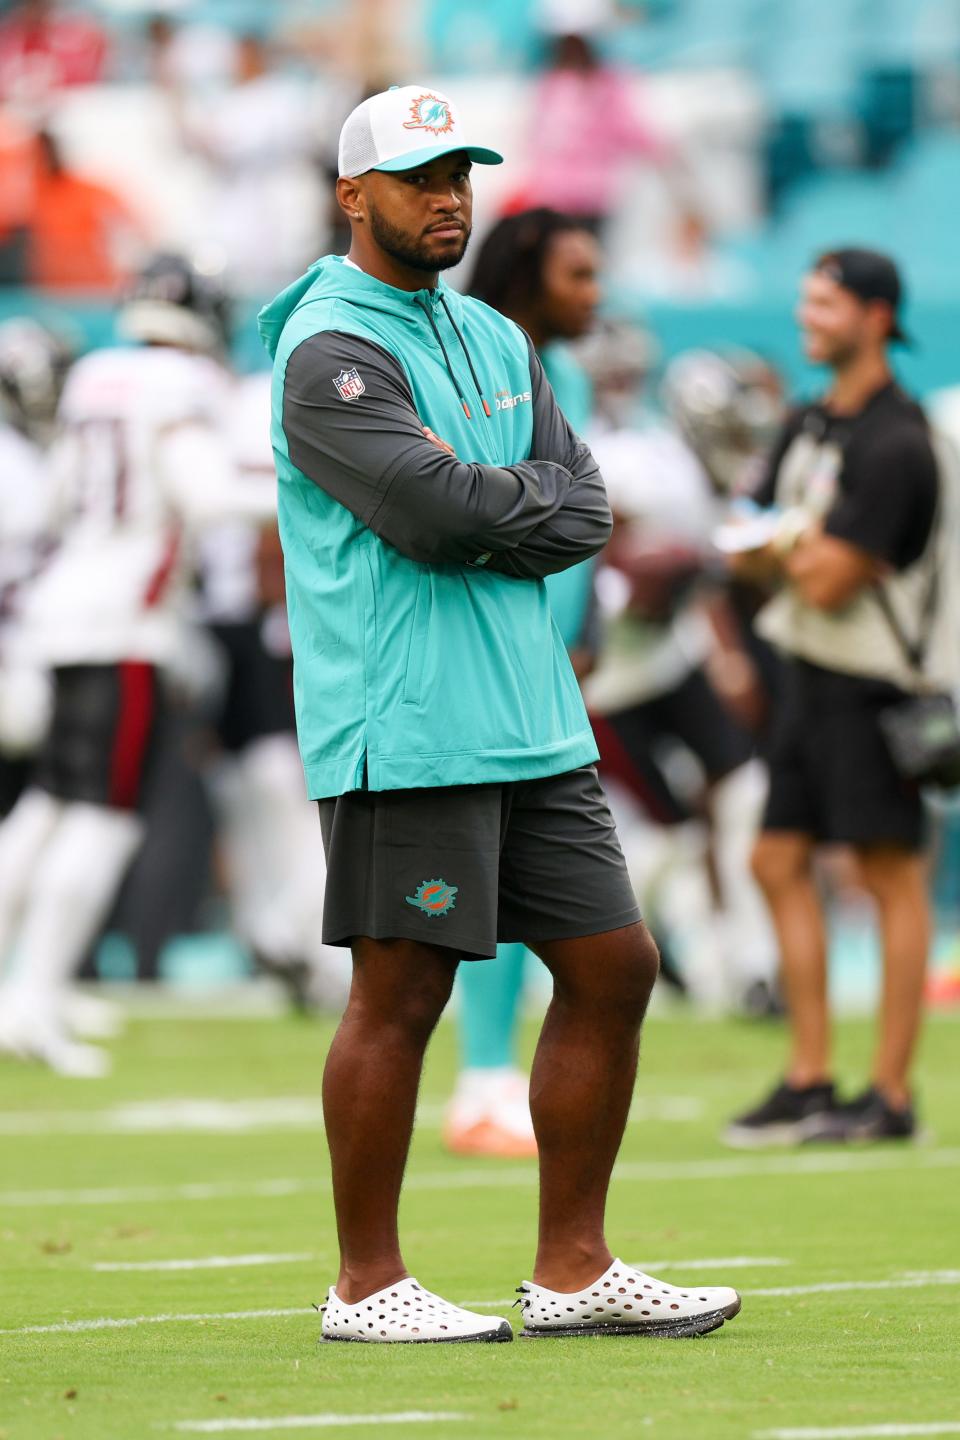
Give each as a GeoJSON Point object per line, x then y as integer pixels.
{"type": "Point", "coordinates": [446, 358]}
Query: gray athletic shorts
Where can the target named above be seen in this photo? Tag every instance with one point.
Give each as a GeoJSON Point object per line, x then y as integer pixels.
{"type": "Point", "coordinates": [467, 866]}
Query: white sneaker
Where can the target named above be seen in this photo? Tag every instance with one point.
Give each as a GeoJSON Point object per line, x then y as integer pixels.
{"type": "Point", "coordinates": [406, 1314]}
{"type": "Point", "coordinates": [625, 1301]}
{"type": "Point", "coordinates": [490, 1115]}
{"type": "Point", "coordinates": [29, 1038]}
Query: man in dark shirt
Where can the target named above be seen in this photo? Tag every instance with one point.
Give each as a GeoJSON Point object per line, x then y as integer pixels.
{"type": "Point", "coordinates": [856, 481]}
{"type": "Point", "coordinates": [888, 484]}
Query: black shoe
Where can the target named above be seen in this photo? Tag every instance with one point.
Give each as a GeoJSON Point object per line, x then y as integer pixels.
{"type": "Point", "coordinates": [784, 1118]}
{"type": "Point", "coordinates": [670, 973]}
{"type": "Point", "coordinates": [867, 1117]}
{"type": "Point", "coordinates": [763, 1001]}
{"type": "Point", "coordinates": [294, 976]}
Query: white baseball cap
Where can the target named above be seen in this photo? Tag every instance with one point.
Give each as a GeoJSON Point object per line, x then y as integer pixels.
{"type": "Point", "coordinates": [405, 126]}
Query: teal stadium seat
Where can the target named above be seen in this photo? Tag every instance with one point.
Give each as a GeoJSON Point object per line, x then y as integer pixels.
{"type": "Point", "coordinates": [653, 34]}
{"type": "Point", "coordinates": [926, 183]}
{"type": "Point", "coordinates": [913, 33]}
{"type": "Point", "coordinates": [810, 58]}
{"type": "Point", "coordinates": [836, 209]}
{"type": "Point", "coordinates": [711, 33]}
{"type": "Point", "coordinates": [480, 36]}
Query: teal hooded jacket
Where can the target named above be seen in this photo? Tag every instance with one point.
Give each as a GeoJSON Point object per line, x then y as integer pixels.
{"type": "Point", "coordinates": [424, 648]}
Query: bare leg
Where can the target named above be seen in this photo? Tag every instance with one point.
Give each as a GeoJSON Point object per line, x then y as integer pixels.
{"type": "Point", "coordinates": [370, 1088]}
{"type": "Point", "coordinates": [580, 1091]}
{"type": "Point", "coordinates": [782, 866]}
{"type": "Point", "coordinates": [897, 879]}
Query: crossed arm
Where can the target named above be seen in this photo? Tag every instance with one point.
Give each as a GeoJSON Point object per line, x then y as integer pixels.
{"type": "Point", "coordinates": [879, 522]}
{"type": "Point", "coordinates": [374, 455]}
{"type": "Point", "coordinates": [829, 572]}
{"type": "Point", "coordinates": [826, 572]}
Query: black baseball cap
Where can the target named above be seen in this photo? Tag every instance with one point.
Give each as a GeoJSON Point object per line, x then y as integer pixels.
{"type": "Point", "coordinates": [868, 275]}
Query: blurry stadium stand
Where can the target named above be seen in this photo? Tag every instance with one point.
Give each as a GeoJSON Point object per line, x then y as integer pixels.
{"type": "Point", "coordinates": [718, 117]}
{"type": "Point", "coordinates": [802, 124]}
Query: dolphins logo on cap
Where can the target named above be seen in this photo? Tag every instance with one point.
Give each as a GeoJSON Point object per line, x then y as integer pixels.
{"type": "Point", "coordinates": [429, 112]}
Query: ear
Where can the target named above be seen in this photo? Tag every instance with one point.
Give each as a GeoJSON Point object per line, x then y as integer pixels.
{"type": "Point", "coordinates": [350, 197]}
{"type": "Point", "coordinates": [881, 318]}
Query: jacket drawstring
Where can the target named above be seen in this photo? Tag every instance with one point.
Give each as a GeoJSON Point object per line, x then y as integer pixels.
{"type": "Point", "coordinates": [463, 347]}
{"type": "Point", "coordinates": [446, 358]}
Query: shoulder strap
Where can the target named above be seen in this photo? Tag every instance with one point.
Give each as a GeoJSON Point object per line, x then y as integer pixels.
{"type": "Point", "coordinates": [915, 651]}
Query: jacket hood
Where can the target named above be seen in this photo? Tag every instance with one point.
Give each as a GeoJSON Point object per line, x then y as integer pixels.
{"type": "Point", "coordinates": [330, 279]}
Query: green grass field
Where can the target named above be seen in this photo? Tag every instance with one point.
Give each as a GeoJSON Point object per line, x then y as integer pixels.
{"type": "Point", "coordinates": [135, 1170]}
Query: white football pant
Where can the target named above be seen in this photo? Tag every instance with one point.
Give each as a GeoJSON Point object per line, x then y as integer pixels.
{"type": "Point", "coordinates": [61, 866]}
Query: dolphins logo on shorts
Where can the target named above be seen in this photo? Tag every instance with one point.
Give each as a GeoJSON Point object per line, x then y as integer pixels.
{"type": "Point", "coordinates": [434, 897]}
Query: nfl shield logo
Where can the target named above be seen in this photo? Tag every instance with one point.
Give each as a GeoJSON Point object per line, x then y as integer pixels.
{"type": "Point", "coordinates": [349, 385]}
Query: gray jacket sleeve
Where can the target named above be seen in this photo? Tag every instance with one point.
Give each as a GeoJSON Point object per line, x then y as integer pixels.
{"type": "Point", "coordinates": [581, 526]}
{"type": "Point", "coordinates": [369, 453]}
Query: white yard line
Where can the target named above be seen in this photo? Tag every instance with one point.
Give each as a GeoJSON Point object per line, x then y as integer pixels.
{"type": "Point", "coordinates": [823, 1162]}
{"type": "Point", "coordinates": [725, 1262]}
{"type": "Point", "coordinates": [520, 1176]}
{"type": "Point", "coordinates": [149, 1194]}
{"type": "Point", "coordinates": [172, 1116]}
{"type": "Point", "coordinates": [129, 1322]}
{"type": "Point", "coordinates": [317, 1422]}
{"type": "Point", "coordinates": [206, 1262]}
{"type": "Point", "coordinates": [233, 1117]}
{"type": "Point", "coordinates": [228, 1262]}
{"type": "Point", "coordinates": [861, 1432]}
{"type": "Point", "coordinates": [918, 1281]}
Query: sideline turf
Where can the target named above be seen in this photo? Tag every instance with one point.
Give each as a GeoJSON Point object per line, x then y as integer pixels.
{"type": "Point", "coordinates": [836, 1359]}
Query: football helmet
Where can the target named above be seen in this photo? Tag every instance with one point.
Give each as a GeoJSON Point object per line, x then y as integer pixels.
{"type": "Point", "coordinates": [618, 357]}
{"type": "Point", "coordinates": [33, 365]}
{"type": "Point", "coordinates": [172, 302]}
{"type": "Point", "coordinates": [728, 406]}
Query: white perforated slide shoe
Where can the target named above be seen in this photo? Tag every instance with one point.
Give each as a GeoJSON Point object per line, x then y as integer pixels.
{"type": "Point", "coordinates": [625, 1301]}
{"type": "Point", "coordinates": [406, 1314]}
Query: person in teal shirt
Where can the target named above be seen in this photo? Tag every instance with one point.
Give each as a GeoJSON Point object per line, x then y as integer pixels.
{"type": "Point", "coordinates": [428, 482]}
{"type": "Point", "coordinates": [540, 268]}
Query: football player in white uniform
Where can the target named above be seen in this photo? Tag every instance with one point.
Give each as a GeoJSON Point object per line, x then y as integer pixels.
{"type": "Point", "coordinates": [656, 712]}
{"type": "Point", "coordinates": [139, 466]}
{"type": "Point", "coordinates": [33, 363]}
{"type": "Point", "coordinates": [271, 840]}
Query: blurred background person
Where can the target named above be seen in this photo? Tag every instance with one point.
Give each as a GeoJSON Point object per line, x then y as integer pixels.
{"type": "Point", "coordinates": [81, 234]}
{"type": "Point", "coordinates": [863, 563]}
{"type": "Point", "coordinates": [541, 269]}
{"type": "Point", "coordinates": [183, 56]}
{"type": "Point", "coordinates": [139, 463]}
{"type": "Point", "coordinates": [728, 407]}
{"type": "Point", "coordinates": [743, 138]}
{"type": "Point", "coordinates": [33, 366]}
{"type": "Point", "coordinates": [45, 46]}
{"type": "Point", "coordinates": [671, 748]}
{"type": "Point", "coordinates": [17, 174]}
{"type": "Point", "coordinates": [261, 135]}
{"type": "Point", "coordinates": [587, 124]}
{"type": "Point", "coordinates": [268, 831]}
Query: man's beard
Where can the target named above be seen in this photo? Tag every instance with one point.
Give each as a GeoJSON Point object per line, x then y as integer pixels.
{"type": "Point", "coordinates": [838, 354]}
{"type": "Point", "coordinates": [414, 254]}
